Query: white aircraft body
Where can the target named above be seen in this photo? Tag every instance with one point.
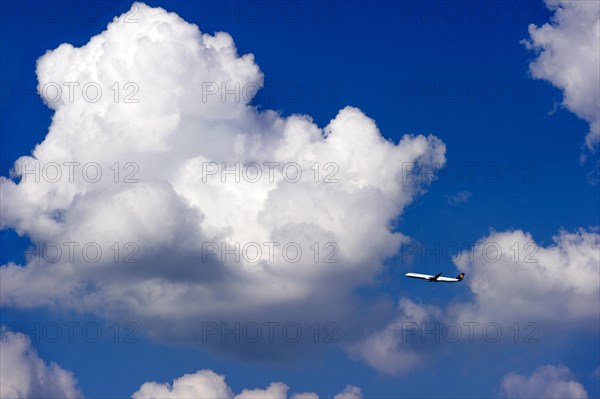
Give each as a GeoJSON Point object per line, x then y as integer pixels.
{"type": "Point", "coordinates": [436, 278]}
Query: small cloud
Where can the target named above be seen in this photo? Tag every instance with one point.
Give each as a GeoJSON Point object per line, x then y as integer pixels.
{"type": "Point", "coordinates": [350, 392]}
{"type": "Point", "coordinates": [26, 375]}
{"type": "Point", "coordinates": [459, 198]}
{"type": "Point", "coordinates": [593, 175]}
{"type": "Point", "coordinates": [385, 351]}
{"type": "Point", "coordinates": [545, 382]}
{"type": "Point", "coordinates": [208, 384]}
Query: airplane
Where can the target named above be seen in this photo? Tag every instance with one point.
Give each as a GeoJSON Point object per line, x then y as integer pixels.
{"type": "Point", "coordinates": [436, 278]}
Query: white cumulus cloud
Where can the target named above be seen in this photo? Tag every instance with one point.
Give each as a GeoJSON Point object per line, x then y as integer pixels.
{"type": "Point", "coordinates": [206, 384]}
{"type": "Point", "coordinates": [547, 382]}
{"type": "Point", "coordinates": [350, 392]}
{"type": "Point", "coordinates": [514, 278]}
{"type": "Point", "coordinates": [569, 58]}
{"type": "Point", "coordinates": [511, 278]}
{"type": "Point", "coordinates": [166, 140]}
{"type": "Point", "coordinates": [25, 375]}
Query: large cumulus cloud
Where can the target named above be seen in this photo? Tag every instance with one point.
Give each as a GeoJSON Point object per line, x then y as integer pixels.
{"type": "Point", "coordinates": [163, 141]}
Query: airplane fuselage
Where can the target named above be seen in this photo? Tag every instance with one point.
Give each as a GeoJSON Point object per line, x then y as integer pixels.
{"type": "Point", "coordinates": [436, 278]}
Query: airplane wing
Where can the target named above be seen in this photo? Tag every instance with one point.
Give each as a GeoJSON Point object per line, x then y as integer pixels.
{"type": "Point", "coordinates": [420, 276]}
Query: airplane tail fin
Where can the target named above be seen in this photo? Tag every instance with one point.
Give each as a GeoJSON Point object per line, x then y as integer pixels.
{"type": "Point", "coordinates": [460, 276]}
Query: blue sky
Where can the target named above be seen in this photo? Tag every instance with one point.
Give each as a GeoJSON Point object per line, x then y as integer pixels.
{"type": "Point", "coordinates": [413, 68]}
